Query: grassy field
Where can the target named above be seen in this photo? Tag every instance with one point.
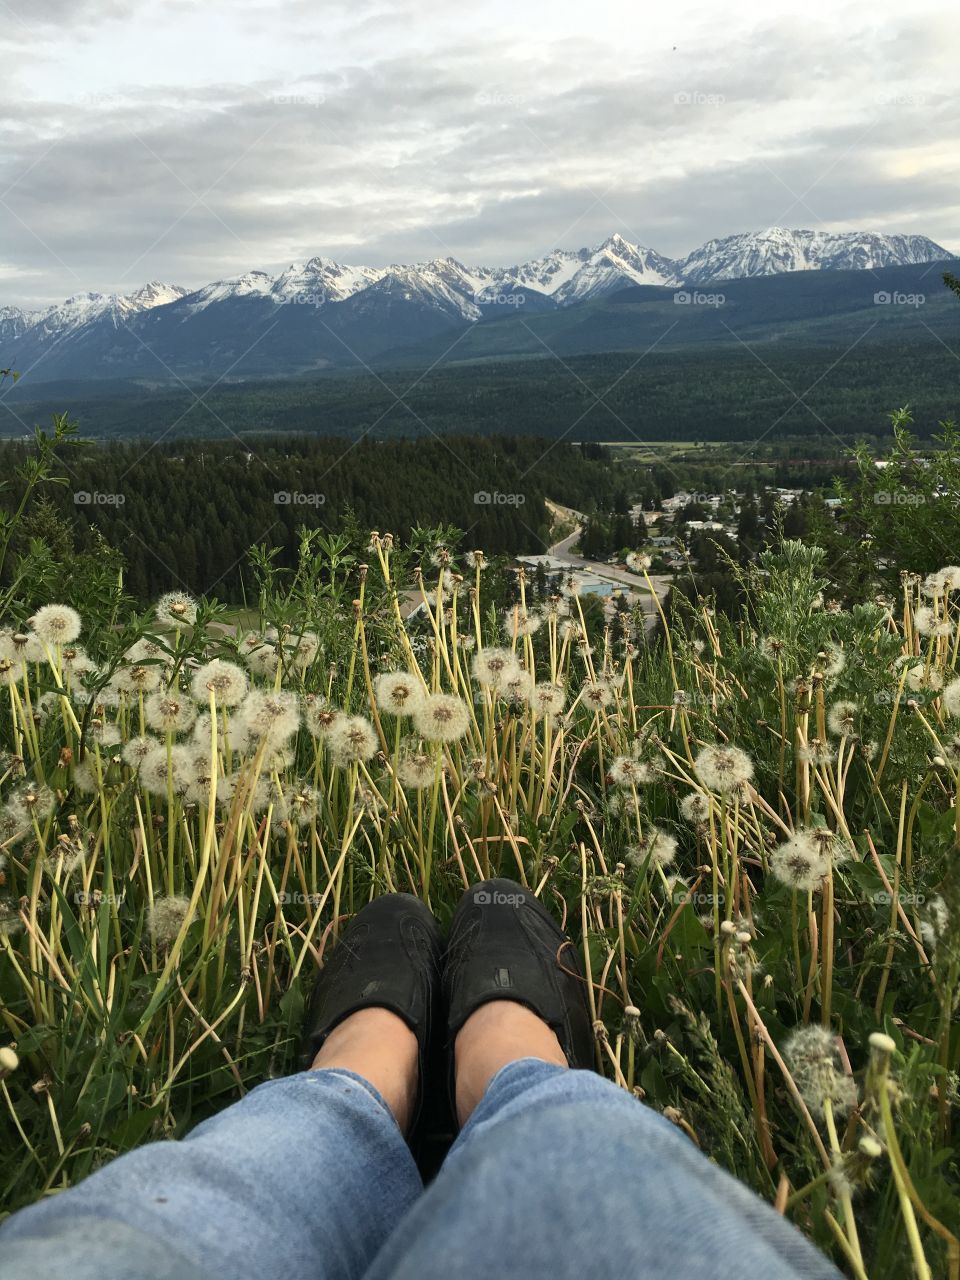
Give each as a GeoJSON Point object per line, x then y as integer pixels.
{"type": "Point", "coordinates": [751, 833]}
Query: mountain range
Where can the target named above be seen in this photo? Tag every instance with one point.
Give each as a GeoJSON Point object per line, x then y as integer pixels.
{"type": "Point", "coordinates": [323, 314]}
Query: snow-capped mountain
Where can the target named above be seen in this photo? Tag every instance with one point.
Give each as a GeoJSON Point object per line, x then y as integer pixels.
{"type": "Point", "coordinates": [778, 249]}
{"type": "Point", "coordinates": [322, 313]}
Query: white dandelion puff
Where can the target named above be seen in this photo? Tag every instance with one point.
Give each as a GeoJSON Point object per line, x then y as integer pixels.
{"type": "Point", "coordinates": [814, 1060]}
{"type": "Point", "coordinates": [225, 680]}
{"type": "Point", "coordinates": [597, 694]}
{"type": "Point", "coordinates": [798, 862]}
{"type": "Point", "coordinates": [627, 771]}
{"type": "Point", "coordinates": [725, 769]}
{"type": "Point", "coordinates": [169, 711]}
{"type": "Point", "coordinates": [352, 739]}
{"type": "Point", "coordinates": [548, 698]}
{"type": "Point", "coordinates": [166, 917]}
{"type": "Point", "coordinates": [270, 716]}
{"type": "Point", "coordinates": [320, 716]}
{"type": "Point", "coordinates": [137, 749]}
{"type": "Point", "coordinates": [416, 770]}
{"type": "Point", "coordinates": [493, 668]}
{"type": "Point", "coordinates": [656, 845]}
{"type": "Point", "coordinates": [842, 719]}
{"type": "Point", "coordinates": [695, 807]}
{"type": "Point", "coordinates": [56, 624]}
{"type": "Point", "coordinates": [176, 609]}
{"type": "Point", "coordinates": [442, 717]}
{"type": "Point", "coordinates": [398, 692]}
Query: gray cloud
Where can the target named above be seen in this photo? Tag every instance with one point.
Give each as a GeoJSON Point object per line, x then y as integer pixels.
{"type": "Point", "coordinates": [485, 149]}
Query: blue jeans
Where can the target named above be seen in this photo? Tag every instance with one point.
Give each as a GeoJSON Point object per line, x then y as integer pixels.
{"type": "Point", "coordinates": [556, 1174]}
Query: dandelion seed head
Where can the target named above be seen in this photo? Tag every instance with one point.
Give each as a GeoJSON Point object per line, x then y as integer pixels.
{"type": "Point", "coordinates": [416, 770]}
{"type": "Point", "coordinates": [656, 845]}
{"type": "Point", "coordinates": [723, 768]}
{"type": "Point", "coordinates": [137, 678]}
{"type": "Point", "coordinates": [548, 699]}
{"type": "Point", "coordinates": [494, 667]}
{"type": "Point", "coordinates": [695, 807]}
{"type": "Point", "coordinates": [176, 609]}
{"type": "Point", "coordinates": [627, 771]}
{"type": "Point", "coordinates": [814, 1060]}
{"type": "Point", "coordinates": [638, 561]}
{"type": "Point", "coordinates": [165, 918]}
{"type": "Point", "coordinates": [154, 772]}
{"type": "Point", "coordinates": [842, 719]}
{"type": "Point", "coordinates": [798, 862]}
{"type": "Point", "coordinates": [398, 692]}
{"type": "Point", "coordinates": [169, 711]}
{"type": "Point", "coordinates": [597, 694]}
{"type": "Point", "coordinates": [442, 717]}
{"type": "Point", "coordinates": [270, 716]}
{"type": "Point", "coordinates": [56, 624]}
{"type": "Point", "coordinates": [137, 749]}
{"type": "Point", "coordinates": [351, 739]}
{"type": "Point", "coordinates": [319, 715]}
{"type": "Point", "coordinates": [225, 680]}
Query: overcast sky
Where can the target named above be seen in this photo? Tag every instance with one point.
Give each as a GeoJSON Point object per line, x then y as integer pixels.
{"type": "Point", "coordinates": [186, 141]}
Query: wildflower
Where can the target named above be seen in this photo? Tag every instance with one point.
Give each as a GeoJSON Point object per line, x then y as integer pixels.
{"type": "Point", "coordinates": [155, 773]}
{"type": "Point", "coordinates": [319, 715]}
{"type": "Point", "coordinates": [519, 689]}
{"type": "Point", "coordinates": [176, 609]}
{"type": "Point", "coordinates": [919, 678]}
{"type": "Point", "coordinates": [831, 847]}
{"type": "Point", "coordinates": [36, 799]}
{"type": "Point", "coordinates": [842, 719]}
{"type": "Point", "coordinates": [814, 1061]}
{"type": "Point", "coordinates": [942, 581]}
{"type": "Point", "coordinates": [137, 679]}
{"type": "Point", "coordinates": [147, 649]}
{"type": "Point", "coordinates": [798, 862]}
{"type": "Point", "coordinates": [169, 711]}
{"type": "Point", "coordinates": [951, 698]}
{"type": "Point", "coordinates": [14, 822]}
{"type": "Point", "coordinates": [556, 607]}
{"type": "Point", "coordinates": [548, 699]}
{"type": "Point", "coordinates": [626, 771]}
{"type": "Point", "coordinates": [10, 672]}
{"type": "Point", "coordinates": [656, 845]}
{"type": "Point", "coordinates": [475, 559]}
{"type": "Point", "coordinates": [56, 624]}
{"type": "Point", "coordinates": [271, 716]}
{"type": "Point", "coordinates": [695, 807]}
{"type": "Point", "coordinates": [301, 804]}
{"type": "Point", "coordinates": [22, 646]}
{"type": "Point", "coordinates": [166, 917]}
{"type": "Point", "coordinates": [75, 662]}
{"type": "Point", "coordinates": [225, 680]}
{"type": "Point", "coordinates": [638, 562]}
{"type": "Point", "coordinates": [723, 768]}
{"type": "Point", "coordinates": [832, 661]}
{"type": "Point", "coordinates": [442, 717]}
{"type": "Point", "coordinates": [351, 739]}
{"type": "Point", "coordinates": [935, 924]}
{"type": "Point", "coordinates": [10, 922]}
{"type": "Point", "coordinates": [102, 731]}
{"type": "Point", "coordinates": [493, 668]}
{"type": "Point", "coordinates": [137, 749]}
{"type": "Point", "coordinates": [815, 752]}
{"type": "Point", "coordinates": [259, 653]}
{"type": "Point", "coordinates": [398, 692]}
{"type": "Point", "coordinates": [597, 694]}
{"type": "Point", "coordinates": [524, 624]}
{"type": "Point", "coordinates": [301, 651]}
{"type": "Point", "coordinates": [416, 770]}
{"type": "Point", "coordinates": [925, 620]}
{"type": "Point", "coordinates": [84, 779]}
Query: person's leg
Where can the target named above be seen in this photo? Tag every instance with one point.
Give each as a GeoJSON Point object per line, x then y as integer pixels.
{"type": "Point", "coordinates": [306, 1176]}
{"type": "Point", "coordinates": [558, 1173]}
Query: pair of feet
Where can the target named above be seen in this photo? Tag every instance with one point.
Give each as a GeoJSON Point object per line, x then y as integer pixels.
{"type": "Point", "coordinates": [395, 1004]}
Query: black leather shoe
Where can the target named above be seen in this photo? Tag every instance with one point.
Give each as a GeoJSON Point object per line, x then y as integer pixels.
{"type": "Point", "coordinates": [505, 945]}
{"type": "Point", "coordinates": [388, 957]}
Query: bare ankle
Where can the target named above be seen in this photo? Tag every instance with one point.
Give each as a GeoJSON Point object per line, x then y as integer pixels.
{"type": "Point", "coordinates": [496, 1034]}
{"type": "Point", "coordinates": [378, 1045]}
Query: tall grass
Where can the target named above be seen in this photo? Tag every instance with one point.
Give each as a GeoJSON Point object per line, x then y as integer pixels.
{"type": "Point", "coordinates": [751, 830]}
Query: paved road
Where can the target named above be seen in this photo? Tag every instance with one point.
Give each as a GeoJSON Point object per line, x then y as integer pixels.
{"type": "Point", "coordinates": [611, 573]}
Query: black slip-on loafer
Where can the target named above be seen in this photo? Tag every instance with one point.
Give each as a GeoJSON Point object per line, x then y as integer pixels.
{"type": "Point", "coordinates": [505, 945]}
{"type": "Point", "coordinates": [387, 957]}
